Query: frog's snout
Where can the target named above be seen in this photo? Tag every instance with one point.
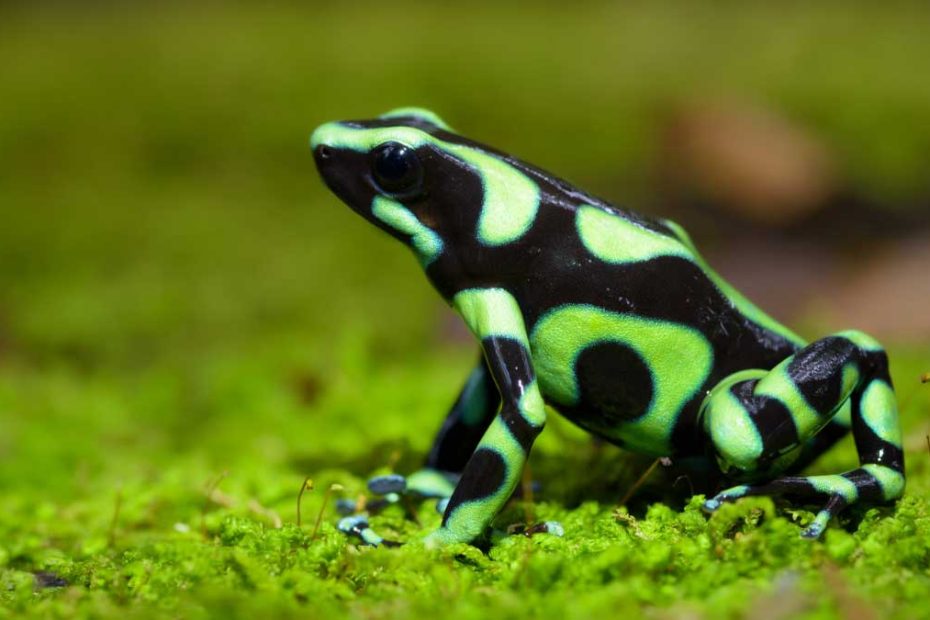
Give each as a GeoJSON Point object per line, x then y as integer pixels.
{"type": "Point", "coordinates": [343, 170]}
{"type": "Point", "coordinates": [322, 152]}
{"type": "Point", "coordinates": [324, 155]}
{"type": "Point", "coordinates": [322, 137]}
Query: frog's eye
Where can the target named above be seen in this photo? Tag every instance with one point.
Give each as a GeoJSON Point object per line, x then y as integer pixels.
{"type": "Point", "coordinates": [396, 169]}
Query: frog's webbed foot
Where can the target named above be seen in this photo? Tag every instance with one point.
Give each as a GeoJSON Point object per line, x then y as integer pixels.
{"type": "Point", "coordinates": [870, 482]}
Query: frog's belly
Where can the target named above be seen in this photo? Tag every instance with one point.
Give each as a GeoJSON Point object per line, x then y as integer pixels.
{"type": "Point", "coordinates": [621, 376]}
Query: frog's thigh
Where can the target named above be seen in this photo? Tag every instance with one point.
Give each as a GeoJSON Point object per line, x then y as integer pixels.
{"type": "Point", "coordinates": [755, 420]}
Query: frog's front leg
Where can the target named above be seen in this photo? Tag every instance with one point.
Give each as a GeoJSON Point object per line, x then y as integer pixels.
{"type": "Point", "coordinates": [757, 420]}
{"type": "Point", "coordinates": [465, 424]}
{"type": "Point", "coordinates": [494, 469]}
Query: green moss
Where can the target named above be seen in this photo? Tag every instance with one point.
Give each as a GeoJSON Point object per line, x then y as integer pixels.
{"type": "Point", "coordinates": [239, 553]}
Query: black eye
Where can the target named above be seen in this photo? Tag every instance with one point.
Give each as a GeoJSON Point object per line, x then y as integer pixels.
{"type": "Point", "coordinates": [396, 168]}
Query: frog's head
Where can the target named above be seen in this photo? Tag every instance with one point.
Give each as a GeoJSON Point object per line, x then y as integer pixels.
{"type": "Point", "coordinates": [407, 173]}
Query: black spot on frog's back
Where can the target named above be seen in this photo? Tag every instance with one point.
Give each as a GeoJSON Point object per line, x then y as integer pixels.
{"type": "Point", "coordinates": [615, 386]}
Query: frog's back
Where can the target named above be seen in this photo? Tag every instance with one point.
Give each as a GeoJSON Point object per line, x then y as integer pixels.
{"type": "Point", "coordinates": [629, 327]}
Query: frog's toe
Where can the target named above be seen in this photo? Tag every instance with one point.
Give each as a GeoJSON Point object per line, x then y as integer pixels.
{"type": "Point", "coordinates": [431, 483]}
{"type": "Point", "coordinates": [730, 495]}
{"type": "Point", "coordinates": [711, 505]}
{"type": "Point", "coordinates": [815, 529]}
{"type": "Point", "coordinates": [834, 506]}
{"type": "Point", "coordinates": [819, 524]}
{"type": "Point", "coordinates": [357, 526]}
{"type": "Point", "coordinates": [838, 491]}
{"type": "Point", "coordinates": [386, 485]}
{"type": "Point", "coordinates": [346, 507]}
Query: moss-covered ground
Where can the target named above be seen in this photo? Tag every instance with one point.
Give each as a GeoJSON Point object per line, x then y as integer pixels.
{"type": "Point", "coordinates": [190, 326]}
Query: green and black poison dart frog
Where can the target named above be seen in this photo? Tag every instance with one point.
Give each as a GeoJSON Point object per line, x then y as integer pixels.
{"type": "Point", "coordinates": [613, 320]}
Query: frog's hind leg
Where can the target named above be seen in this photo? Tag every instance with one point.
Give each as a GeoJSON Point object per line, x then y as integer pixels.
{"type": "Point", "coordinates": [466, 422]}
{"type": "Point", "coordinates": [764, 422]}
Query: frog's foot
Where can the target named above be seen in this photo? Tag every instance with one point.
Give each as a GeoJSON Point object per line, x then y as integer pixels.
{"type": "Point", "coordinates": [769, 420]}
{"type": "Point", "coordinates": [394, 489]}
{"type": "Point", "coordinates": [357, 525]}
{"type": "Point", "coordinates": [421, 485]}
{"type": "Point", "coordinates": [870, 483]}
{"type": "Point", "coordinates": [424, 483]}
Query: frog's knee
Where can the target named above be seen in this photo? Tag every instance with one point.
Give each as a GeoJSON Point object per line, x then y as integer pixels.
{"type": "Point", "coordinates": [737, 440]}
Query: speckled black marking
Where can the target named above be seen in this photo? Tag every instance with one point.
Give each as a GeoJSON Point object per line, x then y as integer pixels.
{"type": "Point", "coordinates": [509, 361]}
{"type": "Point", "coordinates": [868, 487]}
{"type": "Point", "coordinates": [483, 476]}
{"type": "Point", "coordinates": [521, 429]}
{"type": "Point", "coordinates": [817, 370]}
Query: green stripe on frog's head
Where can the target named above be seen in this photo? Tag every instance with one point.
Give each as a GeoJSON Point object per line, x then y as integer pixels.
{"type": "Point", "coordinates": [424, 116]}
{"type": "Point", "coordinates": [447, 185]}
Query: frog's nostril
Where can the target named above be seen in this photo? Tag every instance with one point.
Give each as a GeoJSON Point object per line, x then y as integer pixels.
{"type": "Point", "coordinates": [324, 152]}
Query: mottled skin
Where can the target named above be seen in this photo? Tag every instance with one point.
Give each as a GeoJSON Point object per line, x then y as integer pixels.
{"type": "Point", "coordinates": [610, 318]}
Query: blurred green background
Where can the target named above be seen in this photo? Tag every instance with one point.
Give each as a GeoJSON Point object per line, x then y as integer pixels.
{"type": "Point", "coordinates": [180, 296]}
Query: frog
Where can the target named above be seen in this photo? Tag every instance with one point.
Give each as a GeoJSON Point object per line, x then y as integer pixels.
{"type": "Point", "coordinates": [612, 319]}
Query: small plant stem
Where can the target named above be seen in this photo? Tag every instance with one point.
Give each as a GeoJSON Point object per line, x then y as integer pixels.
{"type": "Point", "coordinates": [906, 402]}
{"type": "Point", "coordinates": [306, 486]}
{"type": "Point", "coordinates": [210, 488]}
{"type": "Point", "coordinates": [319, 518]}
{"type": "Point", "coordinates": [639, 482]}
{"type": "Point", "coordinates": [114, 522]}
